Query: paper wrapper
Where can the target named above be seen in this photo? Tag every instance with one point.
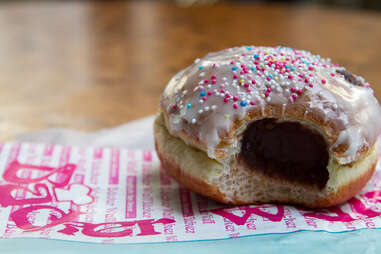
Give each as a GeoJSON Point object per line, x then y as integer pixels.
{"type": "Point", "coordinates": [122, 196]}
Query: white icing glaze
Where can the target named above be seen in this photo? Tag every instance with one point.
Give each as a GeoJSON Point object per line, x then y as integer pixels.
{"type": "Point", "coordinates": [204, 99]}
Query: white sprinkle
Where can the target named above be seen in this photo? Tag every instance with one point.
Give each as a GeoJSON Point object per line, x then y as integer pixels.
{"type": "Point", "coordinates": [334, 106]}
{"type": "Point", "coordinates": [185, 91]}
{"type": "Point", "coordinates": [200, 111]}
{"type": "Point", "coordinates": [278, 89]}
{"type": "Point", "coordinates": [181, 106]}
{"type": "Point", "coordinates": [202, 74]}
{"type": "Point", "coordinates": [197, 60]}
{"type": "Point", "coordinates": [209, 86]}
{"type": "Point", "coordinates": [214, 107]}
{"type": "Point", "coordinates": [268, 99]}
{"type": "Point", "coordinates": [206, 108]}
{"type": "Point", "coordinates": [193, 120]}
{"type": "Point", "coordinates": [262, 95]}
{"type": "Point", "coordinates": [201, 101]}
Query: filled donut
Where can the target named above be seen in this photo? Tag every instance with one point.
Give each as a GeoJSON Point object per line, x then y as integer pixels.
{"type": "Point", "coordinates": [252, 125]}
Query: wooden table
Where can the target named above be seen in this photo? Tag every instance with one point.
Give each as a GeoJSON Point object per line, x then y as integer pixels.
{"type": "Point", "coordinates": [92, 65]}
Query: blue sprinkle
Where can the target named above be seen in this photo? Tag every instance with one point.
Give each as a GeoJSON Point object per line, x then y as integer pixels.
{"type": "Point", "coordinates": [189, 105]}
{"type": "Point", "coordinates": [202, 93]}
{"type": "Point", "coordinates": [200, 67]}
{"type": "Point", "coordinates": [292, 68]}
{"type": "Point", "coordinates": [234, 68]}
{"type": "Point", "coordinates": [253, 68]}
{"type": "Point", "coordinates": [243, 103]}
{"type": "Point", "coordinates": [287, 66]}
{"type": "Point", "coordinates": [256, 56]}
{"type": "Point", "coordinates": [270, 76]}
{"type": "Point", "coordinates": [248, 48]}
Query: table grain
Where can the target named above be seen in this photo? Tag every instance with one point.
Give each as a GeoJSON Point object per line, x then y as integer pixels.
{"type": "Point", "coordinates": [92, 65]}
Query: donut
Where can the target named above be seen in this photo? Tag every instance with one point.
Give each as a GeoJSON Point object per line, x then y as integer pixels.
{"type": "Point", "coordinates": [255, 125]}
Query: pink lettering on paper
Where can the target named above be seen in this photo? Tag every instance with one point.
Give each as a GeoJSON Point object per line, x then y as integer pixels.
{"type": "Point", "coordinates": [147, 156]}
{"type": "Point", "coordinates": [11, 174]}
{"type": "Point", "coordinates": [40, 194]}
{"type": "Point", "coordinates": [131, 197]}
{"type": "Point", "coordinates": [114, 167]}
{"type": "Point", "coordinates": [248, 211]}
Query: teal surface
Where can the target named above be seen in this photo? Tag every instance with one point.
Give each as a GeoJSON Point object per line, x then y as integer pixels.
{"type": "Point", "coordinates": [359, 241]}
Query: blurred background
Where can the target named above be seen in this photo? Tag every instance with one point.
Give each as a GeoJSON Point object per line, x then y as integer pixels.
{"type": "Point", "coordinates": [89, 65]}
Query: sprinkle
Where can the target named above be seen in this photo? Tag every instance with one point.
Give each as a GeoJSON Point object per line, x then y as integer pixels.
{"type": "Point", "coordinates": [252, 103]}
{"type": "Point", "coordinates": [235, 106]}
{"type": "Point", "coordinates": [213, 77]}
{"type": "Point", "coordinates": [310, 85]}
{"type": "Point", "coordinates": [267, 94]}
{"type": "Point", "coordinates": [214, 81]}
{"type": "Point", "coordinates": [206, 108]}
{"type": "Point", "coordinates": [227, 95]}
{"type": "Point", "coordinates": [243, 103]}
{"type": "Point", "coordinates": [197, 60]}
{"type": "Point", "coordinates": [332, 74]}
{"type": "Point", "coordinates": [206, 81]}
{"type": "Point", "coordinates": [299, 91]}
{"type": "Point", "coordinates": [246, 85]}
{"type": "Point", "coordinates": [189, 105]}
{"type": "Point", "coordinates": [253, 82]}
{"type": "Point", "coordinates": [232, 62]}
{"type": "Point", "coordinates": [292, 68]}
{"type": "Point", "coordinates": [235, 98]}
{"type": "Point", "coordinates": [200, 67]}
{"type": "Point", "coordinates": [174, 106]}
{"type": "Point", "coordinates": [210, 93]}
{"type": "Point", "coordinates": [253, 68]}
{"type": "Point", "coordinates": [226, 100]}
{"type": "Point", "coordinates": [193, 120]}
{"type": "Point", "coordinates": [268, 99]}
{"type": "Point", "coordinates": [256, 56]}
{"type": "Point", "coordinates": [202, 93]}
{"type": "Point", "coordinates": [234, 68]}
{"type": "Point", "coordinates": [293, 89]}
{"type": "Point", "coordinates": [269, 90]}
{"type": "Point", "coordinates": [235, 76]}
{"type": "Point", "coordinates": [204, 98]}
{"type": "Point", "coordinates": [213, 107]}
{"type": "Point", "coordinates": [290, 77]}
{"type": "Point", "coordinates": [200, 111]}
{"type": "Point", "coordinates": [227, 116]}
{"type": "Point", "coordinates": [323, 81]}
{"type": "Point", "coordinates": [293, 96]}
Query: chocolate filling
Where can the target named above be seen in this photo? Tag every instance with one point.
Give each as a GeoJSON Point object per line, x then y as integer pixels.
{"type": "Point", "coordinates": [286, 150]}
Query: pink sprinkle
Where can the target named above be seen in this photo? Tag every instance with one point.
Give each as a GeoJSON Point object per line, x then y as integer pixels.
{"type": "Point", "coordinates": [311, 85]}
{"type": "Point", "coordinates": [235, 76]}
{"type": "Point", "coordinates": [222, 90]}
{"type": "Point", "coordinates": [323, 81]}
{"type": "Point", "coordinates": [267, 94]}
{"type": "Point", "coordinates": [206, 81]}
{"type": "Point", "coordinates": [289, 76]}
{"type": "Point", "coordinates": [204, 98]}
{"type": "Point", "coordinates": [268, 78]}
{"type": "Point", "coordinates": [235, 98]}
{"type": "Point", "coordinates": [293, 89]}
{"type": "Point", "coordinates": [226, 100]}
{"type": "Point", "coordinates": [301, 75]}
{"type": "Point", "coordinates": [210, 93]}
{"type": "Point", "coordinates": [299, 91]}
{"type": "Point", "coordinates": [324, 65]}
{"type": "Point", "coordinates": [246, 85]}
{"type": "Point", "coordinates": [213, 81]}
{"type": "Point", "coordinates": [214, 65]}
{"type": "Point", "coordinates": [269, 90]}
{"type": "Point", "coordinates": [253, 82]}
{"type": "Point", "coordinates": [248, 90]}
{"type": "Point", "coordinates": [293, 96]}
{"type": "Point", "coordinates": [332, 74]}
{"type": "Point", "coordinates": [243, 66]}
{"type": "Point", "coordinates": [252, 103]}
{"type": "Point", "coordinates": [243, 54]}
{"type": "Point", "coordinates": [306, 80]}
{"type": "Point", "coordinates": [232, 62]}
{"type": "Point", "coordinates": [235, 106]}
{"type": "Point", "coordinates": [241, 72]}
{"type": "Point", "coordinates": [310, 68]}
{"type": "Point", "coordinates": [174, 106]}
{"type": "Point", "coordinates": [256, 62]}
{"type": "Point", "coordinates": [227, 95]}
{"type": "Point", "coordinates": [214, 77]}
